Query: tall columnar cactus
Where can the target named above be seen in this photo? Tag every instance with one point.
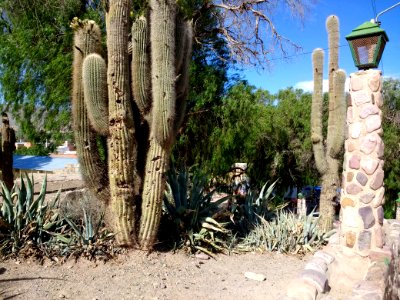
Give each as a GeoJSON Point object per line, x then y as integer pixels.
{"type": "Point", "coordinates": [327, 151]}
{"type": "Point", "coordinates": [136, 100]}
{"type": "Point", "coordinates": [6, 151]}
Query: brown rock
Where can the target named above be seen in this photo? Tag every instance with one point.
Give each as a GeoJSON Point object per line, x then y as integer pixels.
{"type": "Point", "coordinates": [367, 216]}
{"type": "Point", "coordinates": [381, 148]}
{"type": "Point", "coordinates": [368, 143]}
{"type": "Point", "coordinates": [347, 202]}
{"type": "Point", "coordinates": [350, 176]}
{"type": "Point", "coordinates": [380, 198]}
{"type": "Point", "coordinates": [379, 237]}
{"type": "Point", "coordinates": [354, 162]}
{"type": "Point", "coordinates": [364, 240]}
{"type": "Point", "coordinates": [367, 198]}
{"type": "Point", "coordinates": [351, 146]}
{"type": "Point", "coordinates": [378, 99]}
{"type": "Point", "coordinates": [350, 239]}
{"type": "Point", "coordinates": [380, 214]}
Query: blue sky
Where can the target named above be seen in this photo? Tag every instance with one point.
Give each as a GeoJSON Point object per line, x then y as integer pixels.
{"type": "Point", "coordinates": [297, 71]}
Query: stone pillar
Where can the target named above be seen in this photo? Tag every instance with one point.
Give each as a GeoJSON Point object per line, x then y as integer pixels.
{"type": "Point", "coordinates": [362, 193]}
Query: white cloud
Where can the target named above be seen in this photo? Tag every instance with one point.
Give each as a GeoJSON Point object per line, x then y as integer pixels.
{"type": "Point", "coordinates": [308, 86]}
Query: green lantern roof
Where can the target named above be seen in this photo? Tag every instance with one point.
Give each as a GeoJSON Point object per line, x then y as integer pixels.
{"type": "Point", "coordinates": [367, 29]}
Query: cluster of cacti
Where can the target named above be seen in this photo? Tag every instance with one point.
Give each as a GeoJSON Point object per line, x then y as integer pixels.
{"type": "Point", "coordinates": [7, 148]}
{"type": "Point", "coordinates": [327, 151]}
{"type": "Point", "coordinates": [136, 100]}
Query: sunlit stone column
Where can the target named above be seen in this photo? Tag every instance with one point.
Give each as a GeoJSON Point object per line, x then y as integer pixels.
{"type": "Point", "coordinates": [362, 194]}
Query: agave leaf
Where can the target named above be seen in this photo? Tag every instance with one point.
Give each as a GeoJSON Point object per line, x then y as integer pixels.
{"type": "Point", "coordinates": [215, 228]}
{"type": "Point", "coordinates": [204, 250]}
{"type": "Point", "coordinates": [74, 227]}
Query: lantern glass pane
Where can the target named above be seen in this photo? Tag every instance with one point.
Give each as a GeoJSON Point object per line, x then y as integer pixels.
{"type": "Point", "coordinates": [365, 48]}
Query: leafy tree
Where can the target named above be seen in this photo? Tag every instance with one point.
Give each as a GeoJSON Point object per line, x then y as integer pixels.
{"type": "Point", "coordinates": [35, 63]}
{"type": "Point", "coordinates": [391, 133]}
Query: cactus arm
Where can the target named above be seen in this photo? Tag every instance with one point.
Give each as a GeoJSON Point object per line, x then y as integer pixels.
{"type": "Point", "coordinates": [122, 145]}
{"type": "Point", "coordinates": [335, 138]}
{"type": "Point", "coordinates": [140, 65]}
{"type": "Point", "coordinates": [332, 27]}
{"type": "Point", "coordinates": [184, 40]}
{"type": "Point", "coordinates": [316, 112]}
{"type": "Point", "coordinates": [86, 40]}
{"type": "Point", "coordinates": [94, 75]}
{"type": "Point", "coordinates": [162, 37]}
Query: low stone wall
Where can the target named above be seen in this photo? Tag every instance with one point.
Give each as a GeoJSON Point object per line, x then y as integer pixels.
{"type": "Point", "coordinates": [337, 272]}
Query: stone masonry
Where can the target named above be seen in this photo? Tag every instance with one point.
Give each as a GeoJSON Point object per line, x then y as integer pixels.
{"type": "Point", "coordinates": [362, 194]}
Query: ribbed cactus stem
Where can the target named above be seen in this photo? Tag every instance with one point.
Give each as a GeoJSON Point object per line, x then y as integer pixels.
{"type": "Point", "coordinates": [122, 145]}
{"type": "Point", "coordinates": [6, 152]}
{"type": "Point", "coordinates": [87, 40]}
{"type": "Point", "coordinates": [316, 111]}
{"type": "Point", "coordinates": [336, 138]}
{"type": "Point", "coordinates": [162, 36]}
{"type": "Point", "coordinates": [153, 191]}
{"type": "Point", "coordinates": [140, 67]}
{"type": "Point", "coordinates": [332, 28]}
{"type": "Point", "coordinates": [95, 91]}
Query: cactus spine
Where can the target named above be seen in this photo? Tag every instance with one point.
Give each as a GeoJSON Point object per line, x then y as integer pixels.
{"type": "Point", "coordinates": [141, 108]}
{"type": "Point", "coordinates": [6, 152]}
{"type": "Point", "coordinates": [327, 151]}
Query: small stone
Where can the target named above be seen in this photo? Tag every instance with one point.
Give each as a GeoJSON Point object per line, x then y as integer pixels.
{"type": "Point", "coordinates": [347, 202]}
{"type": "Point", "coordinates": [380, 198]}
{"type": "Point", "coordinates": [350, 176]}
{"type": "Point", "coordinates": [301, 289]}
{"type": "Point", "coordinates": [369, 165]}
{"type": "Point", "coordinates": [317, 279]}
{"type": "Point", "coordinates": [381, 149]}
{"type": "Point", "coordinates": [377, 180]}
{"type": "Point", "coordinates": [379, 237]}
{"type": "Point", "coordinates": [354, 162]}
{"type": "Point", "coordinates": [367, 198]}
{"type": "Point", "coordinates": [368, 143]}
{"type": "Point", "coordinates": [362, 178]}
{"type": "Point", "coordinates": [378, 99]}
{"type": "Point", "coordinates": [374, 81]}
{"type": "Point", "coordinates": [351, 146]}
{"type": "Point", "coordinates": [317, 264]}
{"type": "Point", "coordinates": [350, 239]}
{"type": "Point", "coordinates": [364, 240]}
{"type": "Point", "coordinates": [328, 258]}
{"type": "Point", "coordinates": [254, 276]}
{"type": "Point", "coordinates": [350, 115]}
{"type": "Point", "coordinates": [368, 109]}
{"type": "Point", "coordinates": [202, 256]}
{"type": "Point", "coordinates": [380, 214]}
{"type": "Point", "coordinates": [350, 217]}
{"type": "Point", "coordinates": [373, 123]}
{"type": "Point", "coordinates": [360, 97]}
{"type": "Point", "coordinates": [355, 130]}
{"type": "Point", "coordinates": [356, 83]}
{"type": "Point", "coordinates": [353, 189]}
{"type": "Point", "coordinates": [61, 296]}
{"type": "Point", "coordinates": [367, 216]}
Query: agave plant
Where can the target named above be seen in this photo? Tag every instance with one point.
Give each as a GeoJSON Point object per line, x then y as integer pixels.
{"type": "Point", "coordinates": [287, 233]}
{"type": "Point", "coordinates": [191, 208]}
{"type": "Point", "coordinates": [24, 218]}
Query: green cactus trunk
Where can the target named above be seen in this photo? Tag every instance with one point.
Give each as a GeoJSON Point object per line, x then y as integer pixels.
{"type": "Point", "coordinates": [327, 152]}
{"type": "Point", "coordinates": [6, 152]}
{"type": "Point", "coordinates": [143, 108]}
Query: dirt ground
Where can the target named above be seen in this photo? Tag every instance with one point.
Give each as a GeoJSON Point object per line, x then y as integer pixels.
{"type": "Point", "coordinates": [136, 275]}
{"type": "Point", "coordinates": [156, 276]}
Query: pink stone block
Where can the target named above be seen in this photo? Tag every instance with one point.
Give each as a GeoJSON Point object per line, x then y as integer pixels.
{"type": "Point", "coordinates": [355, 130]}
{"type": "Point", "coordinates": [379, 236]}
{"type": "Point", "coordinates": [378, 99]}
{"type": "Point", "coordinates": [360, 97]}
{"type": "Point", "coordinates": [354, 162]}
{"type": "Point", "coordinates": [379, 198]}
{"type": "Point", "coordinates": [373, 122]}
{"type": "Point", "coordinates": [374, 82]}
{"type": "Point", "coordinates": [356, 83]}
{"type": "Point", "coordinates": [367, 110]}
{"type": "Point", "coordinates": [351, 145]}
{"type": "Point", "coordinates": [369, 165]}
{"type": "Point", "coordinates": [353, 189]}
{"type": "Point", "coordinates": [377, 180]}
{"type": "Point", "coordinates": [367, 198]}
{"type": "Point", "coordinates": [368, 143]}
{"type": "Point", "coordinates": [381, 148]}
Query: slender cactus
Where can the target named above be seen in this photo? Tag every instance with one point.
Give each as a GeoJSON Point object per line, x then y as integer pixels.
{"type": "Point", "coordinates": [327, 151]}
{"type": "Point", "coordinates": [7, 148]}
{"type": "Point", "coordinates": [139, 109]}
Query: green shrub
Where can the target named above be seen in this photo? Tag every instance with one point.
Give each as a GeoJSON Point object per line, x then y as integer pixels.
{"type": "Point", "coordinates": [287, 233]}
{"type": "Point", "coordinates": [190, 211]}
